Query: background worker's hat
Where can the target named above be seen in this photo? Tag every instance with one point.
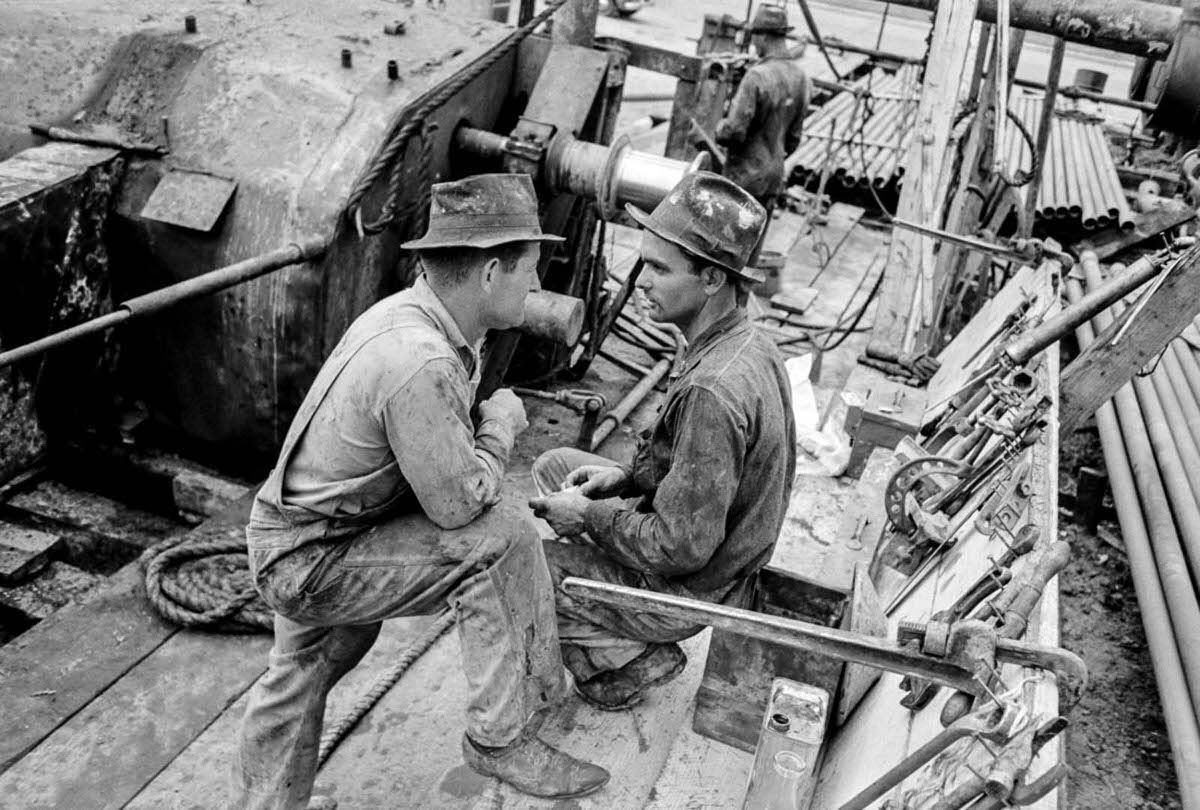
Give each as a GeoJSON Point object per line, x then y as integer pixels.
{"type": "Point", "coordinates": [770, 19]}
{"type": "Point", "coordinates": [712, 218]}
{"type": "Point", "coordinates": [481, 212]}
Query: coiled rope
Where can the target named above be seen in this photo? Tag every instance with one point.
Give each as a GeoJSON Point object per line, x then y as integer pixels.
{"type": "Point", "coordinates": [389, 158]}
{"type": "Point", "coordinates": [205, 582]}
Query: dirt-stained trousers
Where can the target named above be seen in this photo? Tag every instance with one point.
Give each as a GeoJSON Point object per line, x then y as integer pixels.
{"type": "Point", "coordinates": [330, 598]}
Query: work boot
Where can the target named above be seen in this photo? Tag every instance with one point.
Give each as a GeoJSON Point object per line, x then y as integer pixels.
{"type": "Point", "coordinates": [533, 767]}
{"type": "Point", "coordinates": [625, 687]}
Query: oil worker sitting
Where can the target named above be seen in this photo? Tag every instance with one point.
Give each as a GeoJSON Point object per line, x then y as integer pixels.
{"type": "Point", "coordinates": [698, 511]}
{"type": "Point", "coordinates": [766, 115]}
{"type": "Point", "coordinates": [385, 502]}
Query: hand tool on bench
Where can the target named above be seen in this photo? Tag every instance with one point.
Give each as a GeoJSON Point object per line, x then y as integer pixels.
{"type": "Point", "coordinates": [1000, 786]}
{"type": "Point", "coordinates": [993, 723]}
{"type": "Point", "coordinates": [1016, 602]}
{"type": "Point", "coordinates": [963, 655]}
{"type": "Point", "coordinates": [921, 691]}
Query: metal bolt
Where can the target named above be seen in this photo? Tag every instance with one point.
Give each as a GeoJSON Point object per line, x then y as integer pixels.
{"type": "Point", "coordinates": [346, 58]}
{"type": "Point", "coordinates": [393, 70]}
{"type": "Point", "coordinates": [189, 24]}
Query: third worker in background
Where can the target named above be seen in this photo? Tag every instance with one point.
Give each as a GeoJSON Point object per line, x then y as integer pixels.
{"type": "Point", "coordinates": [766, 114]}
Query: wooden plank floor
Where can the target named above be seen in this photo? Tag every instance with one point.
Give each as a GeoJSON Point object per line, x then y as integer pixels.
{"type": "Point", "coordinates": [144, 716]}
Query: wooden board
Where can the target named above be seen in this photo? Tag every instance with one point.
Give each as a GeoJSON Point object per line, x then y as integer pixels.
{"type": "Point", "coordinates": [106, 753]}
{"type": "Point", "coordinates": [1104, 367]}
{"type": "Point", "coordinates": [816, 540]}
{"type": "Point", "coordinates": [198, 778]}
{"type": "Point", "coordinates": [80, 651]}
{"type": "Point", "coordinates": [880, 731]}
{"type": "Point", "coordinates": [906, 295]}
{"type": "Point", "coordinates": [700, 774]}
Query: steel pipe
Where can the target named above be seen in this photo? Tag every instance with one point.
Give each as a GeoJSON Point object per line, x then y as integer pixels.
{"type": "Point", "coordinates": [204, 284]}
{"type": "Point", "coordinates": [1130, 26]}
{"type": "Point", "coordinates": [1072, 91]}
{"type": "Point", "coordinates": [1162, 638]}
{"type": "Point", "coordinates": [614, 175]}
{"type": "Point", "coordinates": [1099, 298]}
{"type": "Point", "coordinates": [614, 418]}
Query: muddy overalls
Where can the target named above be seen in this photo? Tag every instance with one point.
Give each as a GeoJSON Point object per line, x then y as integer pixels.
{"type": "Point", "coordinates": [332, 581]}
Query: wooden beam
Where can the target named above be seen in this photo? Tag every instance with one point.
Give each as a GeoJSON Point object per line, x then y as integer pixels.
{"type": "Point", "coordinates": [658, 60]}
{"type": "Point", "coordinates": [1158, 317]}
{"type": "Point", "coordinates": [905, 300]}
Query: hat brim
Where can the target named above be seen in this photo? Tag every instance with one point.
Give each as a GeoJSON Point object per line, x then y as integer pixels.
{"type": "Point", "coordinates": [643, 219]}
{"type": "Point", "coordinates": [488, 239]}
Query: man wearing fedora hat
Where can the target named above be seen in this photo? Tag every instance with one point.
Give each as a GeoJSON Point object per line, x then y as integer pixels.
{"type": "Point", "coordinates": [766, 115]}
{"type": "Point", "coordinates": [386, 502]}
{"type": "Point", "coordinates": [699, 508]}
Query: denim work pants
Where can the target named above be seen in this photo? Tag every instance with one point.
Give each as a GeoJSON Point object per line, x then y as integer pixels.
{"type": "Point", "coordinates": [598, 638]}
{"type": "Point", "coordinates": [330, 598]}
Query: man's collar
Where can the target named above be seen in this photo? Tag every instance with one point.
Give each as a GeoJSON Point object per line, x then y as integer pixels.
{"type": "Point", "coordinates": [426, 294]}
{"type": "Point", "coordinates": [724, 325]}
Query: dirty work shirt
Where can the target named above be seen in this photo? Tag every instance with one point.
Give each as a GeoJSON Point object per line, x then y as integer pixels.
{"type": "Point", "coordinates": [393, 433]}
{"type": "Point", "coordinates": [714, 472]}
{"type": "Point", "coordinates": [763, 125]}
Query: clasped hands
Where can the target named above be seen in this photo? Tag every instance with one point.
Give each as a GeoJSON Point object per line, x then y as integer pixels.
{"type": "Point", "coordinates": [564, 510]}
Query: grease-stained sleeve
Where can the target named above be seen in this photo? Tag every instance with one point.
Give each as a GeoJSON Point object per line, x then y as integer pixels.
{"type": "Point", "coordinates": [733, 128]}
{"type": "Point", "coordinates": [687, 519]}
{"type": "Point", "coordinates": [795, 129]}
{"type": "Point", "coordinates": [455, 472]}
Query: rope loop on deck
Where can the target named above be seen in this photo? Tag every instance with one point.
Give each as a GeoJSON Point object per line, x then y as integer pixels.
{"type": "Point", "coordinates": [205, 583]}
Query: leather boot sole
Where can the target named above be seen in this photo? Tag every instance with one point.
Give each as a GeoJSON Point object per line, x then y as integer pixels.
{"type": "Point", "coordinates": [638, 696]}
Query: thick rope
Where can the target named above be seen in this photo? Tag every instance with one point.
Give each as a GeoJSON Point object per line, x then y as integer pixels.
{"type": "Point", "coordinates": [205, 583]}
{"type": "Point", "coordinates": [390, 156]}
{"type": "Point", "coordinates": [337, 731]}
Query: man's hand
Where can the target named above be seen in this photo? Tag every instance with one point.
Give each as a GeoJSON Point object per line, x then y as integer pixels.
{"type": "Point", "coordinates": [597, 481]}
{"type": "Point", "coordinates": [562, 510]}
{"type": "Point", "coordinates": [507, 407]}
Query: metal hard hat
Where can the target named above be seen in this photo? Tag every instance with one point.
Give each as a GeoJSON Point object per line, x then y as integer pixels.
{"type": "Point", "coordinates": [482, 212]}
{"type": "Point", "coordinates": [711, 218]}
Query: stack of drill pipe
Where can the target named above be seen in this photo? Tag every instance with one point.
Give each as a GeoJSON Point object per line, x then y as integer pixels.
{"type": "Point", "coordinates": [1079, 185]}
{"type": "Point", "coordinates": [1150, 433]}
{"type": "Point", "coordinates": [874, 156]}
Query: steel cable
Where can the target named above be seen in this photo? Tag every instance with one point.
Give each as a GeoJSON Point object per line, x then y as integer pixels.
{"type": "Point", "coordinates": [390, 158]}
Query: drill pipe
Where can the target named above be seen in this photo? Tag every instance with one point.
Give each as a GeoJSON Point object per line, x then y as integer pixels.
{"type": "Point", "coordinates": [1131, 26]}
{"type": "Point", "coordinates": [204, 284]}
{"type": "Point", "coordinates": [1054, 328]}
{"type": "Point", "coordinates": [620, 412]}
{"type": "Point", "coordinates": [1173, 684]}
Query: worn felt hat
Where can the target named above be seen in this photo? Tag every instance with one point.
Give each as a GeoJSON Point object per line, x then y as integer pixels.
{"type": "Point", "coordinates": [770, 18]}
{"type": "Point", "coordinates": [712, 218]}
{"type": "Point", "coordinates": [481, 212]}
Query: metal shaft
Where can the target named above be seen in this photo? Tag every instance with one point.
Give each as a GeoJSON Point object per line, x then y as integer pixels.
{"type": "Point", "coordinates": [1098, 299]}
{"type": "Point", "coordinates": [1130, 26]}
{"type": "Point", "coordinates": [880, 653]}
{"type": "Point", "coordinates": [620, 412]}
{"type": "Point", "coordinates": [204, 284]}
